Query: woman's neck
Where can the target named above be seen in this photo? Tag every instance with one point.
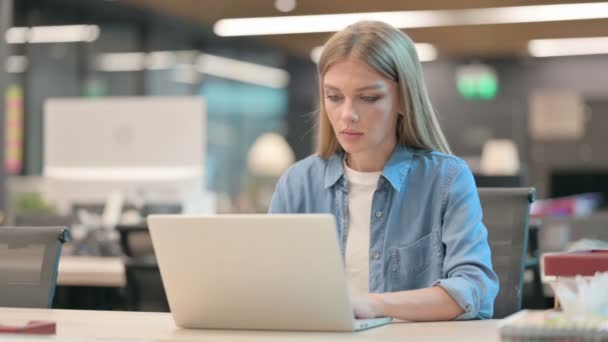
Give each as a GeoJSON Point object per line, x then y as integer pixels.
{"type": "Point", "coordinates": [369, 161]}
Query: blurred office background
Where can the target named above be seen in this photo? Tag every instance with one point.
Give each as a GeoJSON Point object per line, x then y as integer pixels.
{"type": "Point", "coordinates": [520, 88]}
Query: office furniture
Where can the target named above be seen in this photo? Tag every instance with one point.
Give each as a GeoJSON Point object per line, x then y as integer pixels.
{"type": "Point", "coordinates": [91, 271]}
{"type": "Point", "coordinates": [90, 282]}
{"type": "Point", "coordinates": [135, 240]}
{"type": "Point", "coordinates": [506, 214]}
{"type": "Point", "coordinates": [29, 258]}
{"type": "Point", "coordinates": [534, 298]}
{"type": "Point", "coordinates": [42, 219]}
{"type": "Point", "coordinates": [145, 291]}
{"type": "Point", "coordinates": [117, 325]}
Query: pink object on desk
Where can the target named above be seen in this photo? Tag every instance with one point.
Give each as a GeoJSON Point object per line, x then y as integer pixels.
{"type": "Point", "coordinates": [32, 327]}
{"type": "Point", "coordinates": [575, 205]}
{"type": "Point", "coordinates": [584, 263]}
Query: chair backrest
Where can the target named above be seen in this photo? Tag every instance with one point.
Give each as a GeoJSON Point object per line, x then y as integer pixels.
{"type": "Point", "coordinates": [29, 257]}
{"type": "Point", "coordinates": [505, 214]}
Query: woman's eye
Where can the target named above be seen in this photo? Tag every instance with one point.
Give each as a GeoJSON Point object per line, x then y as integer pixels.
{"type": "Point", "coordinates": [334, 98]}
{"type": "Point", "coordinates": [370, 99]}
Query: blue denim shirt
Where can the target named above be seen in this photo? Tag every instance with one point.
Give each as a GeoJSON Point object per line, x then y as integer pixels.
{"type": "Point", "coordinates": [426, 223]}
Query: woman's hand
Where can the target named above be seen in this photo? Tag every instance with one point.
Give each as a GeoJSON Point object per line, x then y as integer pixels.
{"type": "Point", "coordinates": [366, 305]}
{"type": "Point", "coordinates": [429, 304]}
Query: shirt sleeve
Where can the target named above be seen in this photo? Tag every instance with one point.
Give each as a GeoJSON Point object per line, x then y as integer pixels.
{"type": "Point", "coordinates": [468, 276]}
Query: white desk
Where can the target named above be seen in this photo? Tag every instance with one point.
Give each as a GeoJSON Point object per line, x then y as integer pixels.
{"type": "Point", "coordinates": [91, 271]}
{"type": "Point", "coordinates": [72, 324]}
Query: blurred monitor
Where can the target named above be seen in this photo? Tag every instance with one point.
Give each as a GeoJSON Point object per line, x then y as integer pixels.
{"type": "Point", "coordinates": [145, 148]}
{"type": "Point", "coordinates": [574, 182]}
{"type": "Point", "coordinates": [500, 181]}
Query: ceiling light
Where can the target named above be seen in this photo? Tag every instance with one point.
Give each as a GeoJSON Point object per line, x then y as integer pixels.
{"type": "Point", "coordinates": [137, 61]}
{"type": "Point", "coordinates": [411, 19]}
{"type": "Point", "coordinates": [160, 60]}
{"type": "Point", "coordinates": [52, 34]}
{"type": "Point", "coordinates": [16, 35]}
{"type": "Point", "coordinates": [181, 60]}
{"type": "Point", "coordinates": [568, 46]}
{"type": "Point", "coordinates": [426, 52]}
{"type": "Point", "coordinates": [242, 71]}
{"type": "Point", "coordinates": [285, 5]}
{"type": "Point", "coordinates": [140, 173]}
{"type": "Point", "coordinates": [16, 64]}
{"type": "Point", "coordinates": [127, 61]}
{"type": "Point", "coordinates": [315, 54]}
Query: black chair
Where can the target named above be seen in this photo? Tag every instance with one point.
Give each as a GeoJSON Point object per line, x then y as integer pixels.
{"type": "Point", "coordinates": [145, 291]}
{"type": "Point", "coordinates": [29, 258]}
{"type": "Point", "coordinates": [506, 213]}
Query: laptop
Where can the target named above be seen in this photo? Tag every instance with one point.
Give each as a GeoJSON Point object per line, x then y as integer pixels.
{"type": "Point", "coordinates": [267, 272]}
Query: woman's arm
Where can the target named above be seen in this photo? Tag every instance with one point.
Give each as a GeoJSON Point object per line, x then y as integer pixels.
{"type": "Point", "coordinates": [430, 304]}
{"type": "Point", "coordinates": [468, 285]}
{"type": "Point", "coordinates": [468, 276]}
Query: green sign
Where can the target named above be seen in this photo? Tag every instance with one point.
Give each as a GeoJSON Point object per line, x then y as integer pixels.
{"type": "Point", "coordinates": [480, 86]}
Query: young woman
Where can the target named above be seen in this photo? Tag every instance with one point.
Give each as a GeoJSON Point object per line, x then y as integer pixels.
{"type": "Point", "coordinates": [408, 215]}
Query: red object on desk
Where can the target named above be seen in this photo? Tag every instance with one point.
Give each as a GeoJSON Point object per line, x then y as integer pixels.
{"type": "Point", "coordinates": [585, 263]}
{"type": "Point", "coordinates": [32, 327]}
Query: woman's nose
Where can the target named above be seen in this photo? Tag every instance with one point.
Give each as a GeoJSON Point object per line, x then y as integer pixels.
{"type": "Point", "coordinates": [348, 112]}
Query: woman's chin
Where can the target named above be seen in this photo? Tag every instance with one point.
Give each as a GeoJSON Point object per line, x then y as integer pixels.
{"type": "Point", "coordinates": [351, 148]}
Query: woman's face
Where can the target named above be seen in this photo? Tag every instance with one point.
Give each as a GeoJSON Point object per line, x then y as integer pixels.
{"type": "Point", "coordinates": [362, 106]}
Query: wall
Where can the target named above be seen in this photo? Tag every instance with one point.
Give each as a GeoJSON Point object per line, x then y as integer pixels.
{"type": "Point", "coordinates": [468, 123]}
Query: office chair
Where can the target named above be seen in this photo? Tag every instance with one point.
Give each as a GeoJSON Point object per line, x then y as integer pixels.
{"type": "Point", "coordinates": [145, 291]}
{"type": "Point", "coordinates": [29, 257]}
{"type": "Point", "coordinates": [505, 215]}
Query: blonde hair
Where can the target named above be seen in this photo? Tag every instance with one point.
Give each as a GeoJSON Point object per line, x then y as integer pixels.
{"type": "Point", "coordinates": [391, 53]}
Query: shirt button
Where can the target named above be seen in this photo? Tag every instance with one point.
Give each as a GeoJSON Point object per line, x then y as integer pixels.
{"type": "Point", "coordinates": [378, 214]}
{"type": "Point", "coordinates": [376, 256]}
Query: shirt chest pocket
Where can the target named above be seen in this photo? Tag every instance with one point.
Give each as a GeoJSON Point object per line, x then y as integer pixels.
{"type": "Point", "coordinates": [408, 264]}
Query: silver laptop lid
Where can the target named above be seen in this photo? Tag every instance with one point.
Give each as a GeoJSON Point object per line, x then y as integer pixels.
{"type": "Point", "coordinates": [253, 271]}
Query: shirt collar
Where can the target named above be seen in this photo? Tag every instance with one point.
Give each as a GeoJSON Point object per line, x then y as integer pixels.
{"type": "Point", "coordinates": [394, 171]}
{"type": "Point", "coordinates": [334, 170]}
{"type": "Point", "coordinates": [397, 167]}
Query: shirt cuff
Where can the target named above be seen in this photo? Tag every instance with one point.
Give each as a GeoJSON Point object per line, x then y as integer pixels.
{"type": "Point", "coordinates": [464, 294]}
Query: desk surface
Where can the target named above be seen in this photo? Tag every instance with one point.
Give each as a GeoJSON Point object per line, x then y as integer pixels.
{"type": "Point", "coordinates": [160, 326]}
{"type": "Point", "coordinates": [91, 271]}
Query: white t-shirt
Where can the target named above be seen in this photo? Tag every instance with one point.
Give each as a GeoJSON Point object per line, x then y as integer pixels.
{"type": "Point", "coordinates": [361, 188]}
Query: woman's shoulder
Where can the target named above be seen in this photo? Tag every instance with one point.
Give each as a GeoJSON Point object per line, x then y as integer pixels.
{"type": "Point", "coordinates": [441, 159]}
{"type": "Point", "coordinates": [308, 164]}
{"type": "Point", "coordinates": [300, 188]}
{"type": "Point", "coordinates": [308, 168]}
